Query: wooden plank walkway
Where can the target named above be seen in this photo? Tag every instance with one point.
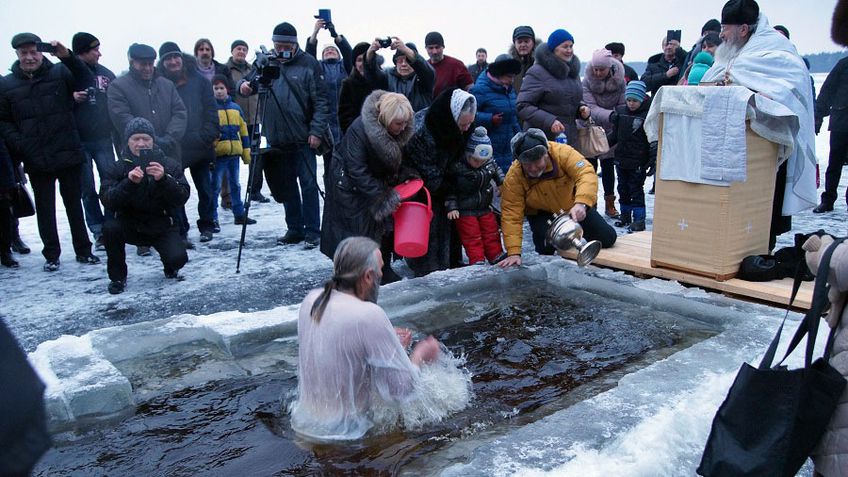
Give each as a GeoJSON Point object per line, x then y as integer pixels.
{"type": "Point", "coordinates": [632, 253]}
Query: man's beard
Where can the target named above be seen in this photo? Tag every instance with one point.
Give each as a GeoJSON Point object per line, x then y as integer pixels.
{"type": "Point", "coordinates": [728, 50]}
{"type": "Point", "coordinates": [372, 294]}
{"type": "Point", "coordinates": [173, 75]}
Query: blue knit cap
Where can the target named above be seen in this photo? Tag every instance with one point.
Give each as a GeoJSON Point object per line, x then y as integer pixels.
{"type": "Point", "coordinates": [479, 145]}
{"type": "Point", "coordinates": [558, 37]}
{"type": "Point", "coordinates": [637, 90]}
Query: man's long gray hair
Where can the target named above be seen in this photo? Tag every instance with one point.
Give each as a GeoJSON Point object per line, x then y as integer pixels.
{"type": "Point", "coordinates": [353, 258]}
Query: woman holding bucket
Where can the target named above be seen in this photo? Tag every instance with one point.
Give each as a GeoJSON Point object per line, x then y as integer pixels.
{"type": "Point", "coordinates": [365, 166]}
{"type": "Point", "coordinates": [441, 133]}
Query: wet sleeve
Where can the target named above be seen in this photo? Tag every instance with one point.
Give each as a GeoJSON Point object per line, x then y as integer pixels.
{"type": "Point", "coordinates": [393, 374]}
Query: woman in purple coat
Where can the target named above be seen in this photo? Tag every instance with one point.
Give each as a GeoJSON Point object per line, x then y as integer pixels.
{"type": "Point", "coordinates": [603, 91]}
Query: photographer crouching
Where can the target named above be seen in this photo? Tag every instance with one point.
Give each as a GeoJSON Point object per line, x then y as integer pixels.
{"type": "Point", "coordinates": [146, 190]}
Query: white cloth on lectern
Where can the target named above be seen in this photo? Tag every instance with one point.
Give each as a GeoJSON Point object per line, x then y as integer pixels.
{"type": "Point", "coordinates": [724, 153]}
{"type": "Point", "coordinates": [685, 124]}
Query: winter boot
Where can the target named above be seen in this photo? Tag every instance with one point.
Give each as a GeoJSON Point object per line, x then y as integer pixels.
{"type": "Point", "coordinates": [18, 245]}
{"type": "Point", "coordinates": [624, 218]}
{"type": "Point", "coordinates": [638, 224]}
{"type": "Point", "coordinates": [610, 207]}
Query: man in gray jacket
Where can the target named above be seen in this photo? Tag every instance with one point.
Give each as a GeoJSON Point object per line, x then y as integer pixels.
{"type": "Point", "coordinates": [295, 124]}
{"type": "Point", "coordinates": [411, 76]}
{"type": "Point", "coordinates": [141, 92]}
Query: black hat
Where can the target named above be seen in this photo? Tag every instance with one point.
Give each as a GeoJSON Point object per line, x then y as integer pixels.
{"type": "Point", "coordinates": [740, 12]}
{"type": "Point", "coordinates": [434, 38]}
{"type": "Point", "coordinates": [169, 48]}
{"type": "Point", "coordinates": [83, 42]}
{"type": "Point", "coordinates": [673, 35]}
{"type": "Point", "coordinates": [712, 25]}
{"type": "Point", "coordinates": [238, 43]}
{"type": "Point", "coordinates": [782, 29]}
{"type": "Point", "coordinates": [615, 48]}
{"type": "Point", "coordinates": [284, 33]}
{"type": "Point", "coordinates": [140, 51]}
{"type": "Point", "coordinates": [529, 145]}
{"type": "Point", "coordinates": [360, 49]}
{"type": "Point", "coordinates": [505, 64]}
{"type": "Point", "coordinates": [523, 31]}
{"type": "Point", "coordinates": [398, 54]}
{"type": "Point", "coordinates": [139, 126]}
{"type": "Point", "coordinates": [22, 39]}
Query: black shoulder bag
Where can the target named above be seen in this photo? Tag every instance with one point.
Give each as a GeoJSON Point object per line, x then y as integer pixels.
{"type": "Point", "coordinates": [773, 417]}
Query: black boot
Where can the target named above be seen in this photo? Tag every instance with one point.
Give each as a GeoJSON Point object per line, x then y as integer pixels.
{"type": "Point", "coordinates": [7, 261]}
{"type": "Point", "coordinates": [823, 207]}
{"type": "Point", "coordinates": [18, 245]}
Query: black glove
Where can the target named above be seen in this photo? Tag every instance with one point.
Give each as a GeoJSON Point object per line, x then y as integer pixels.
{"type": "Point", "coordinates": [332, 30]}
{"type": "Point", "coordinates": [651, 169]}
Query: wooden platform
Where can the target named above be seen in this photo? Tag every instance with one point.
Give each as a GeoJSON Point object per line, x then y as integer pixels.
{"type": "Point", "coordinates": [632, 253]}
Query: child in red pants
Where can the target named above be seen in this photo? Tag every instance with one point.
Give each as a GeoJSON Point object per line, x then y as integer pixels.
{"type": "Point", "coordinates": [469, 200]}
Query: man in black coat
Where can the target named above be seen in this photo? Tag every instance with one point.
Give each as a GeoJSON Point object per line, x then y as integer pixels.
{"type": "Point", "coordinates": [95, 129]}
{"type": "Point", "coordinates": [295, 125]}
{"type": "Point", "coordinates": [833, 102]}
{"type": "Point", "coordinates": [37, 122]}
{"type": "Point", "coordinates": [146, 189]}
{"type": "Point", "coordinates": [198, 144]}
{"type": "Point", "coordinates": [664, 68]}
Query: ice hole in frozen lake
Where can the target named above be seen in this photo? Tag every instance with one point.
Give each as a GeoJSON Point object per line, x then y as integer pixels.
{"type": "Point", "coordinates": [532, 348]}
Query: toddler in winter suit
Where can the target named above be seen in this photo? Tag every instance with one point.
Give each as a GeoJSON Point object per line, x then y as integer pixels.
{"type": "Point", "coordinates": [634, 158]}
{"type": "Point", "coordinates": [233, 143]}
{"type": "Point", "coordinates": [469, 200]}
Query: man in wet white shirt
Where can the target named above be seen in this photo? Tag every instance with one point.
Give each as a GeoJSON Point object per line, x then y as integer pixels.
{"type": "Point", "coordinates": [348, 352]}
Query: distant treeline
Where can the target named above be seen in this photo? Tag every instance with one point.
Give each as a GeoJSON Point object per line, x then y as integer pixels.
{"type": "Point", "coordinates": [824, 62]}
{"type": "Point", "coordinates": [819, 62]}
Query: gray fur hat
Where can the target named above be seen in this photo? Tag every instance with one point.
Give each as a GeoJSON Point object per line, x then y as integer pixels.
{"type": "Point", "coordinates": [529, 145]}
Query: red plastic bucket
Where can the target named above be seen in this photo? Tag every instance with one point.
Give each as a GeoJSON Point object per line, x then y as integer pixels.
{"type": "Point", "coordinates": [412, 227]}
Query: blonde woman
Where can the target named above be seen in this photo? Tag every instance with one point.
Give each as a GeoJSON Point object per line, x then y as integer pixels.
{"type": "Point", "coordinates": [365, 166]}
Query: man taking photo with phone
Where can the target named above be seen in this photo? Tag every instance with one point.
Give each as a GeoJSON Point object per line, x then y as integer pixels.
{"type": "Point", "coordinates": [37, 123]}
{"type": "Point", "coordinates": [146, 189]}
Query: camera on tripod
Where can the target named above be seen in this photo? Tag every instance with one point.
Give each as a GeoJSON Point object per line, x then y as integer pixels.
{"type": "Point", "coordinates": [267, 66]}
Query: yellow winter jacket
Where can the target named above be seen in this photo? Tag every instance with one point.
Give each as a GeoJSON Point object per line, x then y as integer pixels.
{"type": "Point", "coordinates": [569, 179]}
{"type": "Point", "coordinates": [233, 140]}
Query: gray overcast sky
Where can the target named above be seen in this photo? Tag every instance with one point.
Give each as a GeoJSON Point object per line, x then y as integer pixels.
{"type": "Point", "coordinates": [640, 24]}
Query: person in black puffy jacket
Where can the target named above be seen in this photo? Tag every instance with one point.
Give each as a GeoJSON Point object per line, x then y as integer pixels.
{"type": "Point", "coordinates": [469, 200]}
{"type": "Point", "coordinates": [38, 125]}
{"type": "Point", "coordinates": [634, 158]}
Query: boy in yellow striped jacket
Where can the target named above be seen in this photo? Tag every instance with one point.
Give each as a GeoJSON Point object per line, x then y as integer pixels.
{"type": "Point", "coordinates": [234, 142]}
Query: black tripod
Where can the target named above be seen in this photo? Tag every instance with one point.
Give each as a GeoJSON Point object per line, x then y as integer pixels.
{"type": "Point", "coordinates": [255, 163]}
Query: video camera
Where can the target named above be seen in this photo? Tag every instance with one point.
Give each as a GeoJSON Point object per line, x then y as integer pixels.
{"type": "Point", "coordinates": [267, 67]}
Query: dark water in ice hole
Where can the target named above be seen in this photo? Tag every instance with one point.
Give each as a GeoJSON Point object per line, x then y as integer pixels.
{"type": "Point", "coordinates": [529, 357]}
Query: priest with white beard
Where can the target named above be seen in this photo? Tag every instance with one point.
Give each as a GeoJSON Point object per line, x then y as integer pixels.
{"type": "Point", "coordinates": [755, 55]}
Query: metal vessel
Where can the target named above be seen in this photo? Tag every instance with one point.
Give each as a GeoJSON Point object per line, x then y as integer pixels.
{"type": "Point", "coordinates": [564, 233]}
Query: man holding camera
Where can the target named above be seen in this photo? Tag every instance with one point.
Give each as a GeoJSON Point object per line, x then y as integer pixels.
{"type": "Point", "coordinates": [95, 130]}
{"type": "Point", "coordinates": [296, 125]}
{"type": "Point", "coordinates": [145, 189]}
{"type": "Point", "coordinates": [37, 123]}
{"type": "Point", "coordinates": [411, 76]}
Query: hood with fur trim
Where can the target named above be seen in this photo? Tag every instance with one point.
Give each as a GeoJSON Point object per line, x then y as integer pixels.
{"type": "Point", "coordinates": [555, 66]}
{"type": "Point", "coordinates": [388, 147]}
{"type": "Point", "coordinates": [612, 85]}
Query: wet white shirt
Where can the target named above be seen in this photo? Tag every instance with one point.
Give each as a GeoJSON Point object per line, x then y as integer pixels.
{"type": "Point", "coordinates": [347, 359]}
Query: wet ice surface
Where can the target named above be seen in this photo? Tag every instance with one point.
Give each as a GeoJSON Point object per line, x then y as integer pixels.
{"type": "Point", "coordinates": [525, 355]}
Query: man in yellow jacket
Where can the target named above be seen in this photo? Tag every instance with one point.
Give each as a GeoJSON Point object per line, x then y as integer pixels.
{"type": "Point", "coordinates": [548, 177]}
